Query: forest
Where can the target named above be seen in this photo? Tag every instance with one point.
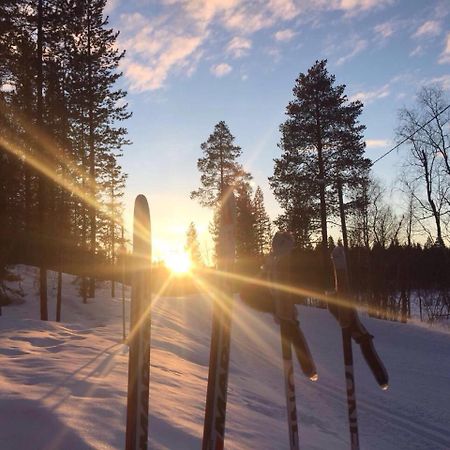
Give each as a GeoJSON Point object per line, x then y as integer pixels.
{"type": "Point", "coordinates": [62, 135]}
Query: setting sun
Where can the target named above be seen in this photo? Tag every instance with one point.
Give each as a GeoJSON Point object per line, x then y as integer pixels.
{"type": "Point", "coordinates": [179, 263]}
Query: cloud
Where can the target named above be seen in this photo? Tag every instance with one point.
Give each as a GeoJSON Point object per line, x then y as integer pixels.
{"type": "Point", "coordinates": [239, 46]}
{"type": "Point", "coordinates": [360, 45]}
{"type": "Point", "coordinates": [377, 143]}
{"type": "Point", "coordinates": [444, 58]}
{"type": "Point", "coordinates": [385, 29]}
{"type": "Point", "coordinates": [220, 70]}
{"type": "Point", "coordinates": [177, 35]}
{"type": "Point", "coordinates": [353, 7]}
{"type": "Point", "coordinates": [443, 80]}
{"type": "Point", "coordinates": [158, 59]}
{"type": "Point", "coordinates": [430, 28]}
{"type": "Point", "coordinates": [110, 6]}
{"type": "Point", "coordinates": [416, 51]}
{"type": "Point", "coordinates": [371, 95]}
{"type": "Point", "coordinates": [284, 35]}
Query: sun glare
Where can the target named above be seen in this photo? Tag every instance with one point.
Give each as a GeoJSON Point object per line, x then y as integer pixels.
{"type": "Point", "coordinates": [178, 263]}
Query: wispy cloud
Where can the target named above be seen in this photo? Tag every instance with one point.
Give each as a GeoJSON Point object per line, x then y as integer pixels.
{"type": "Point", "coordinates": [284, 35]}
{"type": "Point", "coordinates": [359, 46]}
{"type": "Point", "coordinates": [372, 95]}
{"type": "Point", "coordinates": [239, 46]}
{"type": "Point", "coordinates": [416, 51]}
{"type": "Point", "coordinates": [353, 7]}
{"type": "Point", "coordinates": [377, 143]}
{"type": "Point", "coordinates": [444, 58]}
{"type": "Point", "coordinates": [176, 39]}
{"type": "Point", "coordinates": [430, 28]}
{"type": "Point", "coordinates": [220, 70]}
{"type": "Point", "coordinates": [385, 29]}
{"type": "Point", "coordinates": [443, 81]}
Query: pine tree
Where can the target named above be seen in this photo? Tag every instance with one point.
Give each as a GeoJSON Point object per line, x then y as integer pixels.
{"type": "Point", "coordinates": [219, 167]}
{"type": "Point", "coordinates": [321, 144]}
{"type": "Point", "coordinates": [97, 103]}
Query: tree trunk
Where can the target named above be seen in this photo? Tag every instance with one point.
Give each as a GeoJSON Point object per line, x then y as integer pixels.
{"type": "Point", "coordinates": [92, 218]}
{"type": "Point", "coordinates": [42, 182]}
{"type": "Point", "coordinates": [323, 214]}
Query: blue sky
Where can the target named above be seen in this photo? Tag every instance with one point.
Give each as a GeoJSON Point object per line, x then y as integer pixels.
{"type": "Point", "coordinates": [192, 63]}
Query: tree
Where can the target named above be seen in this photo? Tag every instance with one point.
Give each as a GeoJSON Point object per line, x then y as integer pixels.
{"type": "Point", "coordinates": [321, 144]}
{"type": "Point", "coordinates": [246, 238]}
{"type": "Point", "coordinates": [426, 172]}
{"type": "Point", "coordinates": [263, 229]}
{"type": "Point", "coordinates": [219, 167]}
{"type": "Point", "coordinates": [192, 246]}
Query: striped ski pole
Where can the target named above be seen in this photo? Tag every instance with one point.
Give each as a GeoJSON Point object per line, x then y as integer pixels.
{"type": "Point", "coordinates": [139, 337]}
{"type": "Point", "coordinates": [282, 245]}
{"type": "Point", "coordinates": [289, 385]}
{"type": "Point", "coordinates": [342, 287]}
{"type": "Point", "coordinates": [216, 395]}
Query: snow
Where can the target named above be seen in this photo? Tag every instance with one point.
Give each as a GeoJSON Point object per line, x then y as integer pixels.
{"type": "Point", "coordinates": [63, 385]}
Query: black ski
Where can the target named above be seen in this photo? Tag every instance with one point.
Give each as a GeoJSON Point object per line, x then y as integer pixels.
{"type": "Point", "coordinates": [216, 396]}
{"type": "Point", "coordinates": [139, 337]}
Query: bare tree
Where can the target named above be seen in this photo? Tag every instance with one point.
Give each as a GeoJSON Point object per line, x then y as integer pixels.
{"type": "Point", "coordinates": [427, 169]}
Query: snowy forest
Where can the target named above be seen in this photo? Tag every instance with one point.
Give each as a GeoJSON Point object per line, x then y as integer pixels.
{"type": "Point", "coordinates": [63, 133]}
{"type": "Point", "coordinates": [109, 340]}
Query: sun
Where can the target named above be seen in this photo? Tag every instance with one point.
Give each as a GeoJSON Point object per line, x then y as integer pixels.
{"type": "Point", "coordinates": [178, 263]}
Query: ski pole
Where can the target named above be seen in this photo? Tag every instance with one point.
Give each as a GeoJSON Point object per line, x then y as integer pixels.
{"type": "Point", "coordinates": [345, 313]}
{"type": "Point", "coordinates": [289, 385]}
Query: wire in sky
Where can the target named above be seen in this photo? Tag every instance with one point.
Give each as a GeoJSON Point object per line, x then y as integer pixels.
{"type": "Point", "coordinates": [411, 135]}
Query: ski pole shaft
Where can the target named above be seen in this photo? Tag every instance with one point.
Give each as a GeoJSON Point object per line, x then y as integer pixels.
{"type": "Point", "coordinates": [350, 387]}
{"type": "Point", "coordinates": [216, 395]}
{"type": "Point", "coordinates": [289, 385]}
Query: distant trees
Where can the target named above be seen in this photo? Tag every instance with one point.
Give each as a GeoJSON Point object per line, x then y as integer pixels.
{"type": "Point", "coordinates": [426, 175]}
{"type": "Point", "coordinates": [322, 150]}
{"type": "Point", "coordinates": [59, 132]}
{"type": "Point", "coordinates": [263, 228]}
{"type": "Point", "coordinates": [192, 246]}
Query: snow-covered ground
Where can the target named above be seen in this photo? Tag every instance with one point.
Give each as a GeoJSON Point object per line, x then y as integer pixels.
{"type": "Point", "coordinates": [63, 386]}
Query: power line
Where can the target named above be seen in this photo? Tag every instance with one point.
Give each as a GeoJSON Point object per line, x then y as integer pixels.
{"type": "Point", "coordinates": [411, 135]}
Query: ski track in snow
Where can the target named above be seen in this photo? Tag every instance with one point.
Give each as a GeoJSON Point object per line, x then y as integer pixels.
{"type": "Point", "coordinates": [63, 386]}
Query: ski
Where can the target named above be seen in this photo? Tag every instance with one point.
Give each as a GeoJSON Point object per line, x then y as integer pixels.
{"type": "Point", "coordinates": [139, 336]}
{"type": "Point", "coordinates": [216, 396]}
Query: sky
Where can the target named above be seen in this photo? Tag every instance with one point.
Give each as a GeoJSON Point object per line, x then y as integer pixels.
{"type": "Point", "coordinates": [191, 63]}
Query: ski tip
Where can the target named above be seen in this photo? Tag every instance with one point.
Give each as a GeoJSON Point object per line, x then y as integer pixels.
{"type": "Point", "coordinates": [314, 377]}
{"type": "Point", "coordinates": [384, 387]}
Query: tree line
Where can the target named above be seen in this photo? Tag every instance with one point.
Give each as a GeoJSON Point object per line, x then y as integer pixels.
{"type": "Point", "coordinates": [61, 184]}
{"type": "Point", "coordinates": [325, 186]}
